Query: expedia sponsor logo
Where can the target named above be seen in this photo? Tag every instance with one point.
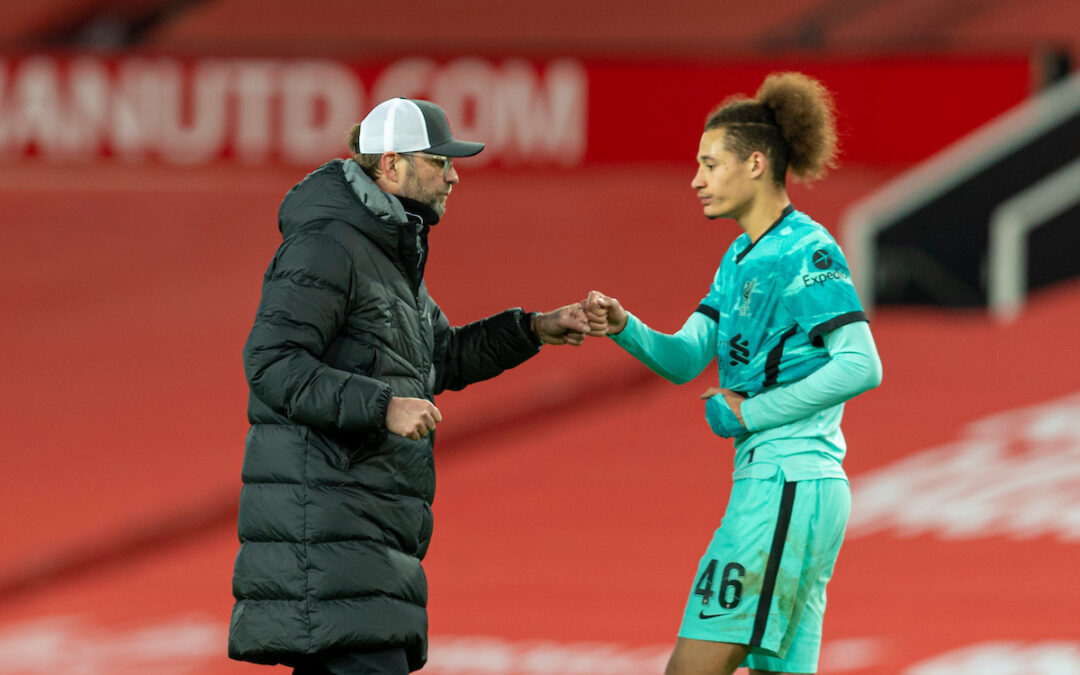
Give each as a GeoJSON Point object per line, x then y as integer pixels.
{"type": "Point", "coordinates": [822, 277]}
{"type": "Point", "coordinates": [821, 259]}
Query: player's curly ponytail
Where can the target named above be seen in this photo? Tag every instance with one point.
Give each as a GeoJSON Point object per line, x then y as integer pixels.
{"type": "Point", "coordinates": [792, 120]}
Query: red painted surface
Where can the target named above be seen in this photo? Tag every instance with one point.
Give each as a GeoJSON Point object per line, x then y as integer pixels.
{"type": "Point", "coordinates": [127, 296]}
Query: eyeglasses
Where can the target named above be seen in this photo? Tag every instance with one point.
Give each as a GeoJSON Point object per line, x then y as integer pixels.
{"type": "Point", "coordinates": [444, 163]}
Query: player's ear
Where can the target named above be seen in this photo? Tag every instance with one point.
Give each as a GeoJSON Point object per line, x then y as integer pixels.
{"type": "Point", "coordinates": [758, 164]}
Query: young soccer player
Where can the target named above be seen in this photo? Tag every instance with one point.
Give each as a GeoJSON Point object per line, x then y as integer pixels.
{"type": "Point", "coordinates": [792, 344]}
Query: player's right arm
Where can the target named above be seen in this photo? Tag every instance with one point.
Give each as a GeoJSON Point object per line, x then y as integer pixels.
{"type": "Point", "coordinates": [679, 357]}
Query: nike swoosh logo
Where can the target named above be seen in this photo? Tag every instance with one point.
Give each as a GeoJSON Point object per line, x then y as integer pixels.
{"type": "Point", "coordinates": [703, 615]}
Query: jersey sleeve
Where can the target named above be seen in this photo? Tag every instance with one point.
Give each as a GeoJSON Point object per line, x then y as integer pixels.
{"type": "Point", "coordinates": [680, 357]}
{"type": "Point", "coordinates": [819, 293]}
{"type": "Point", "coordinates": [853, 367]}
{"type": "Point", "coordinates": [710, 304]}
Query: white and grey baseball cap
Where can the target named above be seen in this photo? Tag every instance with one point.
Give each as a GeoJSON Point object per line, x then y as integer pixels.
{"type": "Point", "coordinates": [410, 125]}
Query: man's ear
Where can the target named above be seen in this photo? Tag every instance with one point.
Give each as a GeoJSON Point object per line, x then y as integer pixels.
{"type": "Point", "coordinates": [392, 172]}
{"type": "Point", "coordinates": [758, 164]}
{"type": "Point", "coordinates": [390, 167]}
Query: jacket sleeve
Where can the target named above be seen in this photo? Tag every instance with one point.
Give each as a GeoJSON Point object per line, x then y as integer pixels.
{"type": "Point", "coordinates": [479, 350]}
{"type": "Point", "coordinates": [304, 304]}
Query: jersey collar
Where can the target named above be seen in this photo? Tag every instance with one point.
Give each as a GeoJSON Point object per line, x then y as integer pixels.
{"type": "Point", "coordinates": [788, 210]}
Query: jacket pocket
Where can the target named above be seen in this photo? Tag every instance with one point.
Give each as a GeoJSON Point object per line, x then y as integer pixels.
{"type": "Point", "coordinates": [361, 446]}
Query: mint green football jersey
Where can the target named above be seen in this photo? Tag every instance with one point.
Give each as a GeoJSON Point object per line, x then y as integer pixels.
{"type": "Point", "coordinates": [773, 300]}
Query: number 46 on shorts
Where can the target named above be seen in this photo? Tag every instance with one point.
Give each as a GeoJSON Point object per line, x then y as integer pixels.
{"type": "Point", "coordinates": [730, 591]}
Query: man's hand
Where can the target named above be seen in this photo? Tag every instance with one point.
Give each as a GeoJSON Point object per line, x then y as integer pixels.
{"type": "Point", "coordinates": [411, 417]}
{"type": "Point", "coordinates": [606, 316]}
{"type": "Point", "coordinates": [733, 400]}
{"type": "Point", "coordinates": [563, 326]}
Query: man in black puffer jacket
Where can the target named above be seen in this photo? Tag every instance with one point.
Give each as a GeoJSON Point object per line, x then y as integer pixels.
{"type": "Point", "coordinates": [343, 362]}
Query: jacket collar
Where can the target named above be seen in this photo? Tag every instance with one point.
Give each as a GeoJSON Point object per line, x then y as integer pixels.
{"type": "Point", "coordinates": [418, 212]}
{"type": "Point", "coordinates": [340, 190]}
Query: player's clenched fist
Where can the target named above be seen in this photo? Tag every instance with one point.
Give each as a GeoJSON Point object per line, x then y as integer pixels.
{"type": "Point", "coordinates": [604, 313]}
{"type": "Point", "coordinates": [411, 417]}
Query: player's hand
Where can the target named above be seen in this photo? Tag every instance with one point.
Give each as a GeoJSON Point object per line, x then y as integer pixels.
{"type": "Point", "coordinates": [723, 412]}
{"type": "Point", "coordinates": [606, 316]}
{"type": "Point", "coordinates": [411, 417]}
{"type": "Point", "coordinates": [734, 400]}
{"type": "Point", "coordinates": [563, 326]}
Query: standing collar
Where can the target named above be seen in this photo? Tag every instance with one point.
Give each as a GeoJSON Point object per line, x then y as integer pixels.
{"type": "Point", "coordinates": [418, 212]}
{"type": "Point", "coordinates": [788, 210]}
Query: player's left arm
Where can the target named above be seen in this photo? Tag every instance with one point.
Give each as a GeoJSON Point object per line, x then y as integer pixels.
{"type": "Point", "coordinates": [822, 299]}
{"type": "Point", "coordinates": [853, 368]}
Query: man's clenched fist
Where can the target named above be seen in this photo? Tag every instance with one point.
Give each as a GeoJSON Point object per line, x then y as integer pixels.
{"type": "Point", "coordinates": [411, 417]}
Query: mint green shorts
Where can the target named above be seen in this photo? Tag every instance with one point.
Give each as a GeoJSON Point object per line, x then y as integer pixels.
{"type": "Point", "coordinates": [761, 583]}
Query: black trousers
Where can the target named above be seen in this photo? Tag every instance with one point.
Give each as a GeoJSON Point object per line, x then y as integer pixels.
{"type": "Point", "coordinates": [385, 662]}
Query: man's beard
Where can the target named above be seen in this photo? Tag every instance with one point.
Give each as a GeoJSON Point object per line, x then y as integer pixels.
{"type": "Point", "coordinates": [414, 189]}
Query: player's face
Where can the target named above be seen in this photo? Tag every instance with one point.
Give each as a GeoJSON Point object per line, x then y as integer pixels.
{"type": "Point", "coordinates": [429, 179]}
{"type": "Point", "coordinates": [722, 183]}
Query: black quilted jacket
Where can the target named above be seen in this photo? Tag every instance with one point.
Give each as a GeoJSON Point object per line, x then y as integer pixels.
{"type": "Point", "coordinates": [335, 514]}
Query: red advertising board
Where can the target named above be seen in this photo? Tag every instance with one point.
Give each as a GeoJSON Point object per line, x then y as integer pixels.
{"type": "Point", "coordinates": [561, 112]}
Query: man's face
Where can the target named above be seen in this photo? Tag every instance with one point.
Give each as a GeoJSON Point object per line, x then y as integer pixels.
{"type": "Point", "coordinates": [428, 179]}
{"type": "Point", "coordinates": [722, 182]}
